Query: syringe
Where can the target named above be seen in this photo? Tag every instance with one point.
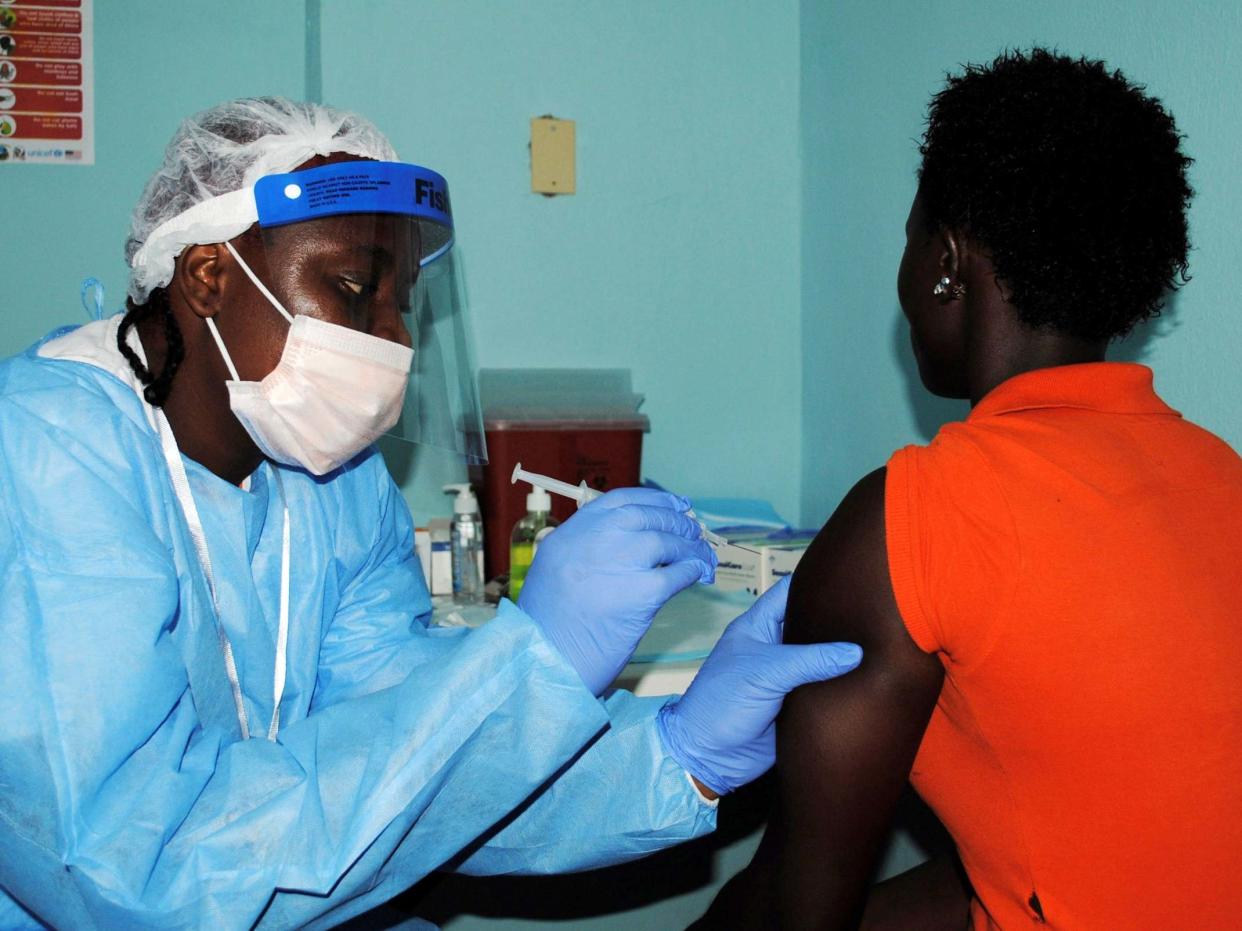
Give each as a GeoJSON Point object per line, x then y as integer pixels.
{"type": "Point", "coordinates": [582, 493]}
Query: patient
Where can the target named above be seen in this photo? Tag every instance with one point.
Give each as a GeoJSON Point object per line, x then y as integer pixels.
{"type": "Point", "coordinates": [1048, 595]}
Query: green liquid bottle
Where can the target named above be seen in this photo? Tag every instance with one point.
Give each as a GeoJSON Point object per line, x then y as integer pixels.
{"type": "Point", "coordinates": [528, 533]}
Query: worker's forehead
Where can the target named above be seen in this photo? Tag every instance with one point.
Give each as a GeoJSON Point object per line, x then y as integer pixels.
{"type": "Point", "coordinates": [392, 233]}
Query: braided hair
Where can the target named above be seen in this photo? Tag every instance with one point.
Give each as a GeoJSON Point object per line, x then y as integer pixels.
{"type": "Point", "coordinates": [158, 387]}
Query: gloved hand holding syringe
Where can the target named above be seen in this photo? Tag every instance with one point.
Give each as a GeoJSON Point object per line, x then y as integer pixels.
{"type": "Point", "coordinates": [749, 671]}
{"type": "Point", "coordinates": [582, 493]}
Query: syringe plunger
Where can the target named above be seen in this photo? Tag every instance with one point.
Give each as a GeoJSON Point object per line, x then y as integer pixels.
{"type": "Point", "coordinates": [581, 493]}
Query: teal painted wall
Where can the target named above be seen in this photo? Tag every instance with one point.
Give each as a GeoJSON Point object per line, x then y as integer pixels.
{"type": "Point", "coordinates": [155, 63]}
{"type": "Point", "coordinates": [678, 256]}
{"type": "Point", "coordinates": [744, 176]}
{"type": "Point", "coordinates": [868, 69]}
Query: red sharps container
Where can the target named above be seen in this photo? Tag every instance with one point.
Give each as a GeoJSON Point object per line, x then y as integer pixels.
{"type": "Point", "coordinates": [571, 424]}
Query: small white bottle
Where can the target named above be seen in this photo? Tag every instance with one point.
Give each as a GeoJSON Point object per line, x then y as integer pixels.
{"type": "Point", "coordinates": [467, 546]}
{"type": "Point", "coordinates": [527, 534]}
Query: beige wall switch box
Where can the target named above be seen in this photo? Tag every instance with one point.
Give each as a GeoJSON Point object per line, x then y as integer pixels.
{"type": "Point", "coordinates": [551, 155]}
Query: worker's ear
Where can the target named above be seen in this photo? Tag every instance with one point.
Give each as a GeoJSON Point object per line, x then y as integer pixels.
{"type": "Point", "coordinates": [198, 278]}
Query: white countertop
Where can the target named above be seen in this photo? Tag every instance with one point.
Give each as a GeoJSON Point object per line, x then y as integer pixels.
{"type": "Point", "coordinates": [681, 636]}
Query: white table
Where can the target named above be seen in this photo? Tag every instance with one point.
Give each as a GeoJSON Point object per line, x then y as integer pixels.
{"type": "Point", "coordinates": [681, 636]}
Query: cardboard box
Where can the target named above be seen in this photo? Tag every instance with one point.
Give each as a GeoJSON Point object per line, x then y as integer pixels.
{"type": "Point", "coordinates": [738, 568]}
{"type": "Point", "coordinates": [440, 532]}
{"type": "Point", "coordinates": [422, 549]}
{"type": "Point", "coordinates": [761, 564]}
{"type": "Point", "coordinates": [782, 561]}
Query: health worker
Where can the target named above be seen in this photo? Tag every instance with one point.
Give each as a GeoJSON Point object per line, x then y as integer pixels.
{"type": "Point", "coordinates": [223, 705]}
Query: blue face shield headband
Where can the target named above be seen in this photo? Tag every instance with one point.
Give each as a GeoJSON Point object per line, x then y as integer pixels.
{"type": "Point", "coordinates": [362, 206]}
{"type": "Point", "coordinates": [362, 187]}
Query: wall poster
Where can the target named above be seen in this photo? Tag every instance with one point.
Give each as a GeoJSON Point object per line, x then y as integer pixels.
{"type": "Point", "coordinates": [47, 98]}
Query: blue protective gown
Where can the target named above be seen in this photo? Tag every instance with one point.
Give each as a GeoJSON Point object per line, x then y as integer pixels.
{"type": "Point", "coordinates": [127, 796]}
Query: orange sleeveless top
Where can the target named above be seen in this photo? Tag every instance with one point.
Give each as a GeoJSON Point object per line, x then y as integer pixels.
{"type": "Point", "coordinates": [1073, 554]}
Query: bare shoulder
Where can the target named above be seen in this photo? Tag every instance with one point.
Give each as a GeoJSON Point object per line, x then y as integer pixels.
{"type": "Point", "coordinates": [841, 590]}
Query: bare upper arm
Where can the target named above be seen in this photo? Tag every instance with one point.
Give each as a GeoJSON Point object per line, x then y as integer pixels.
{"type": "Point", "coordinates": [842, 591]}
{"type": "Point", "coordinates": [844, 747]}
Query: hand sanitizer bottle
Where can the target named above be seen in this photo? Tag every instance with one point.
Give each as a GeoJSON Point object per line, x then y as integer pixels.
{"type": "Point", "coordinates": [467, 545]}
{"type": "Point", "coordinates": [526, 537]}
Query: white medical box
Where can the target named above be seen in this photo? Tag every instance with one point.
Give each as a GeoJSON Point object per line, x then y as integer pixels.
{"type": "Point", "coordinates": [757, 564]}
{"type": "Point", "coordinates": [422, 549]}
{"type": "Point", "coordinates": [441, 577]}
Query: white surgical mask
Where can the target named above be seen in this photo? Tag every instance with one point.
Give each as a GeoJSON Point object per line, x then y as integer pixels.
{"type": "Point", "coordinates": [334, 392]}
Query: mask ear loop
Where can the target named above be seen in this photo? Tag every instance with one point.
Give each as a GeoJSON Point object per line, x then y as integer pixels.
{"type": "Point", "coordinates": [259, 284]}
{"type": "Point", "coordinates": [211, 324]}
{"type": "Point", "coordinates": [215, 334]}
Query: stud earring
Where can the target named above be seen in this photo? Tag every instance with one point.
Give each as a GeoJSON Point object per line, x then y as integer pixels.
{"type": "Point", "coordinates": [946, 289]}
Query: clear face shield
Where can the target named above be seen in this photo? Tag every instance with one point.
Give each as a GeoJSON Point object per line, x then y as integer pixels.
{"type": "Point", "coordinates": [369, 246]}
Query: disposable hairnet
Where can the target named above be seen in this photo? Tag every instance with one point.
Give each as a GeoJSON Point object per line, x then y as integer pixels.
{"type": "Point", "coordinates": [223, 151]}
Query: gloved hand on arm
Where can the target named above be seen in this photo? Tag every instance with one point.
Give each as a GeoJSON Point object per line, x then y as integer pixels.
{"type": "Point", "coordinates": [599, 579]}
{"type": "Point", "coordinates": [722, 731]}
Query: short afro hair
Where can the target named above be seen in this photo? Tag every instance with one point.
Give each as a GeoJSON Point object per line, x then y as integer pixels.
{"type": "Point", "coordinates": [1073, 179]}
